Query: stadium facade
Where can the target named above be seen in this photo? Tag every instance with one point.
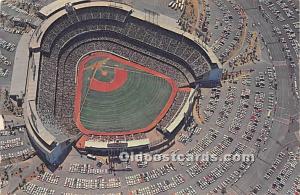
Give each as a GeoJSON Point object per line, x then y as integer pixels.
{"type": "Point", "coordinates": [72, 29]}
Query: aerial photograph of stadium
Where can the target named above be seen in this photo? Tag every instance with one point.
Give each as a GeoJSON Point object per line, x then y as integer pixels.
{"type": "Point", "coordinates": [145, 97]}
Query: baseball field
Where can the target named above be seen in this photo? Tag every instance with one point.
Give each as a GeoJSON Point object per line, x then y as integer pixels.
{"type": "Point", "coordinates": [115, 96]}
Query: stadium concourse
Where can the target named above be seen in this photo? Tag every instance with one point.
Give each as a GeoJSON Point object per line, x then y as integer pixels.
{"type": "Point", "coordinates": [104, 77]}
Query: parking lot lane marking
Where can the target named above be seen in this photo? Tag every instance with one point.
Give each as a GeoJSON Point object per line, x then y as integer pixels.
{"type": "Point", "coordinates": [279, 63]}
{"type": "Point", "coordinates": [282, 120]}
{"type": "Point", "coordinates": [281, 107]}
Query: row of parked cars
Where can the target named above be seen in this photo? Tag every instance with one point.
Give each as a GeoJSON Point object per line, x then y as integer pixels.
{"type": "Point", "coordinates": [289, 7]}
{"type": "Point", "coordinates": [7, 133]}
{"type": "Point", "coordinates": [271, 6]}
{"type": "Point", "coordinates": [32, 189]}
{"type": "Point", "coordinates": [248, 53]}
{"type": "Point", "coordinates": [240, 27]}
{"type": "Point", "coordinates": [11, 143]}
{"type": "Point", "coordinates": [293, 40]}
{"type": "Point", "coordinates": [70, 193]}
{"type": "Point", "coordinates": [24, 152]}
{"type": "Point", "coordinates": [271, 101]}
{"type": "Point", "coordinates": [86, 169]}
{"type": "Point", "coordinates": [227, 107]}
{"type": "Point", "coordinates": [4, 60]}
{"type": "Point", "coordinates": [149, 175]}
{"type": "Point", "coordinates": [187, 135]}
{"type": "Point", "coordinates": [212, 104]}
{"type": "Point", "coordinates": [12, 30]}
{"type": "Point", "coordinates": [265, 14]}
{"type": "Point", "coordinates": [227, 20]}
{"type": "Point", "coordinates": [260, 80]}
{"type": "Point", "coordinates": [92, 184]}
{"type": "Point", "coordinates": [177, 4]}
{"type": "Point", "coordinates": [296, 88]}
{"type": "Point", "coordinates": [264, 132]}
{"type": "Point", "coordinates": [15, 8]}
{"type": "Point", "coordinates": [49, 178]}
{"type": "Point", "coordinates": [241, 112]}
{"type": "Point", "coordinates": [286, 171]}
{"type": "Point", "coordinates": [283, 7]}
{"type": "Point", "coordinates": [272, 77]}
{"type": "Point", "coordinates": [220, 170]}
{"type": "Point", "coordinates": [274, 165]}
{"type": "Point", "coordinates": [7, 45]}
{"type": "Point", "coordinates": [216, 151]}
{"type": "Point", "coordinates": [246, 80]}
{"type": "Point", "coordinates": [295, 188]}
{"type": "Point", "coordinates": [189, 190]}
{"type": "Point", "coordinates": [234, 177]}
{"type": "Point", "coordinates": [3, 72]}
{"type": "Point", "coordinates": [204, 142]}
{"type": "Point", "coordinates": [290, 12]}
{"type": "Point", "coordinates": [160, 187]}
{"type": "Point", "coordinates": [256, 114]}
{"type": "Point", "coordinates": [3, 183]}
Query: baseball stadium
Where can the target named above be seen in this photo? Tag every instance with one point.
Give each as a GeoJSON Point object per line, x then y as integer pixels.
{"type": "Point", "coordinates": [102, 77]}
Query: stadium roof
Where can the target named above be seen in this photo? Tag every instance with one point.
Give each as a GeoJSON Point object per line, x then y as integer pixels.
{"type": "Point", "coordinates": [182, 113]}
{"type": "Point", "coordinates": [2, 125]}
{"type": "Point", "coordinates": [19, 75]}
{"type": "Point", "coordinates": [215, 74]}
{"type": "Point", "coordinates": [55, 6]}
{"type": "Point", "coordinates": [40, 129]}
